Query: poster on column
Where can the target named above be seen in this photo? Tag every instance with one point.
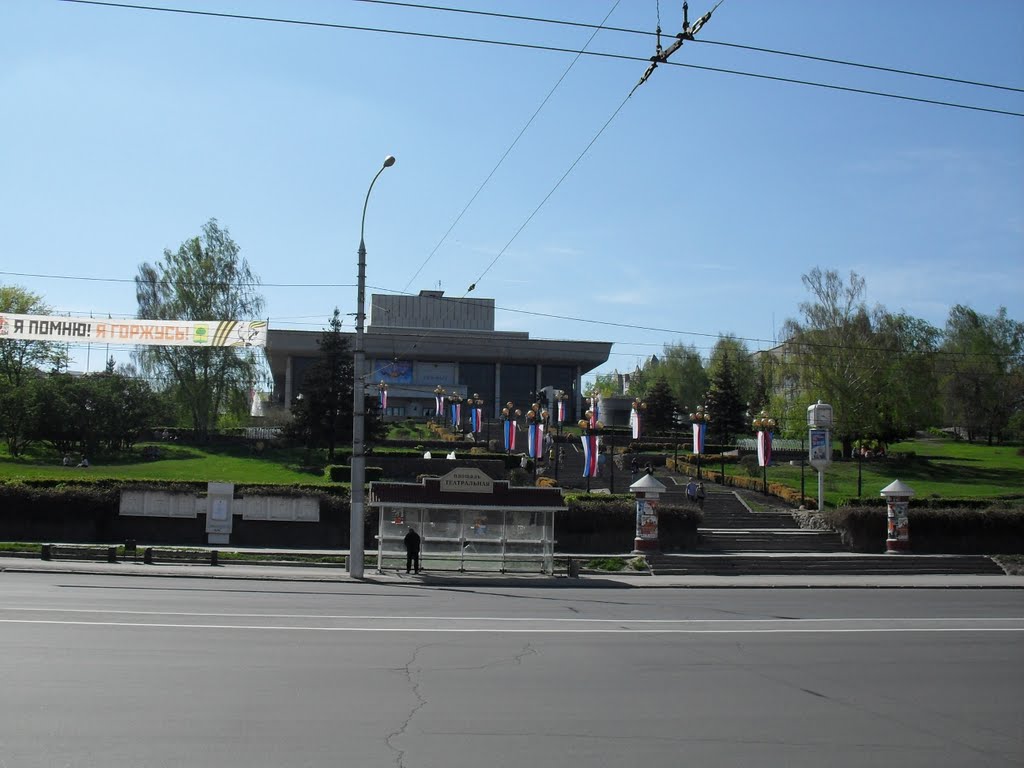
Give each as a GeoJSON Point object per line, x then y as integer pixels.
{"type": "Point", "coordinates": [647, 519]}
{"type": "Point", "coordinates": [163, 333]}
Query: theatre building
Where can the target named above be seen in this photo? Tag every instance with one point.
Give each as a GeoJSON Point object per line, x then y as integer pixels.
{"type": "Point", "coordinates": [418, 344]}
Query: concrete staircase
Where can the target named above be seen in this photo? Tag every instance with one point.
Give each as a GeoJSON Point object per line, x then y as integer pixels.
{"type": "Point", "coordinates": [736, 540]}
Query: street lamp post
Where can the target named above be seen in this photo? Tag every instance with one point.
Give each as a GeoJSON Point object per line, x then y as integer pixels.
{"type": "Point", "coordinates": [700, 419]}
{"type": "Point", "coordinates": [509, 414]}
{"type": "Point", "coordinates": [677, 421]}
{"type": "Point", "coordinates": [536, 419]}
{"type": "Point", "coordinates": [382, 399]}
{"type": "Point", "coordinates": [764, 425]}
{"type": "Point", "coordinates": [455, 400]}
{"type": "Point", "coordinates": [439, 404]}
{"type": "Point", "coordinates": [591, 433]}
{"type": "Point", "coordinates": [475, 405]}
{"type": "Point", "coordinates": [561, 399]}
{"type": "Point", "coordinates": [358, 463]}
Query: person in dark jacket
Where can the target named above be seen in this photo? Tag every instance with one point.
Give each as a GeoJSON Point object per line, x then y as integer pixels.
{"type": "Point", "coordinates": [412, 550]}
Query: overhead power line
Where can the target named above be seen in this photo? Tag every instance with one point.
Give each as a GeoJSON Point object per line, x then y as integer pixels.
{"type": "Point", "coordinates": [548, 48]}
{"type": "Point", "coordinates": [510, 148]}
{"type": "Point", "coordinates": [646, 33]}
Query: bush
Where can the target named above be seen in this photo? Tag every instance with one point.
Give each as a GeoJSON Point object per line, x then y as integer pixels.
{"type": "Point", "coordinates": [342, 473]}
{"type": "Point", "coordinates": [602, 523]}
{"type": "Point", "coordinates": [953, 530]}
{"type": "Point", "coordinates": [750, 466]}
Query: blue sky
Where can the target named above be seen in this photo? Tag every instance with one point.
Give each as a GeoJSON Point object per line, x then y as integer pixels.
{"type": "Point", "coordinates": [695, 212]}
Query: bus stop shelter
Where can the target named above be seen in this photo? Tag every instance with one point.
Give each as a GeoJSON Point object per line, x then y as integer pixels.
{"type": "Point", "coordinates": [467, 521]}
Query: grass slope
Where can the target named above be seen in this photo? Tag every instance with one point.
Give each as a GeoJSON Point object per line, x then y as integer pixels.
{"type": "Point", "coordinates": [176, 462]}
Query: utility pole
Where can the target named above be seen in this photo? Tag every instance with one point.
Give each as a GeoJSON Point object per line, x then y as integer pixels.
{"type": "Point", "coordinates": [687, 33]}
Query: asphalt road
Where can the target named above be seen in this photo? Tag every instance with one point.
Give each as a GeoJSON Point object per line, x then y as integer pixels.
{"type": "Point", "coordinates": [126, 671]}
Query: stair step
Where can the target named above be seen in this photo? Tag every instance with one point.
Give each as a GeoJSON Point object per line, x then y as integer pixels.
{"type": "Point", "coordinates": [821, 564]}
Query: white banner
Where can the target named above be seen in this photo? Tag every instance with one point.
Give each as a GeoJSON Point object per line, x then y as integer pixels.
{"type": "Point", "coordinates": [165, 333]}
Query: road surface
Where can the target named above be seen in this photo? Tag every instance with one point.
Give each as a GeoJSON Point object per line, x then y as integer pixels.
{"type": "Point", "coordinates": [136, 671]}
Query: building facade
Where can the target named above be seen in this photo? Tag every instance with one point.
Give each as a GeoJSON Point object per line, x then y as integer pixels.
{"type": "Point", "coordinates": [417, 344]}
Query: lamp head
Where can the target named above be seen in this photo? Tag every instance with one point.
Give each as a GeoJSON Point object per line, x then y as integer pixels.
{"type": "Point", "coordinates": [389, 161]}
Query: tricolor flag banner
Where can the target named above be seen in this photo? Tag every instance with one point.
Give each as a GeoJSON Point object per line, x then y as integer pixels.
{"type": "Point", "coordinates": [561, 411]}
{"type": "Point", "coordinates": [699, 428]}
{"type": "Point", "coordinates": [634, 422]}
{"type": "Point", "coordinates": [162, 333]}
{"type": "Point", "coordinates": [510, 434]}
{"type": "Point", "coordinates": [383, 398]}
{"type": "Point", "coordinates": [439, 405]}
{"type": "Point", "coordinates": [591, 445]}
{"type": "Point", "coordinates": [536, 447]}
{"type": "Point", "coordinates": [764, 448]}
{"type": "Point", "coordinates": [456, 412]}
{"type": "Point", "coordinates": [476, 416]}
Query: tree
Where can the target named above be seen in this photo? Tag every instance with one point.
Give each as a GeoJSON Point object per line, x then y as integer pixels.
{"type": "Point", "coordinates": [661, 405]}
{"type": "Point", "coordinates": [832, 355]}
{"type": "Point", "coordinates": [21, 363]}
{"type": "Point", "coordinates": [682, 370]}
{"type": "Point", "coordinates": [908, 398]}
{"type": "Point", "coordinates": [95, 412]}
{"type": "Point", "coordinates": [205, 279]}
{"type": "Point", "coordinates": [982, 371]}
{"type": "Point", "coordinates": [322, 411]}
{"type": "Point", "coordinates": [744, 369]}
{"type": "Point", "coordinates": [726, 404]}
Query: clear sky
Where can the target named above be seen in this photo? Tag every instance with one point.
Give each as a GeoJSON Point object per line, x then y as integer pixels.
{"type": "Point", "coordinates": [694, 213]}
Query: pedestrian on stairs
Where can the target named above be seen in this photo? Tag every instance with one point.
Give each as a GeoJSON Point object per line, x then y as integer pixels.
{"type": "Point", "coordinates": [700, 496]}
{"type": "Point", "coordinates": [691, 490]}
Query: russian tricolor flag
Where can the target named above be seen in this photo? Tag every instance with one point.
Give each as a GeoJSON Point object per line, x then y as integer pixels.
{"type": "Point", "coordinates": [764, 448]}
{"type": "Point", "coordinates": [591, 445]}
{"type": "Point", "coordinates": [699, 428]}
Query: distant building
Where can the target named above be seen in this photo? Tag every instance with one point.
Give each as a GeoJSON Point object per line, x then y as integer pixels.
{"type": "Point", "coordinates": [418, 343]}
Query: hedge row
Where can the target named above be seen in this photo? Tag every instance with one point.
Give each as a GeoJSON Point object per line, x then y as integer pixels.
{"type": "Point", "coordinates": [602, 523]}
{"type": "Point", "coordinates": [995, 529]}
{"type": "Point", "coordinates": [342, 473]}
{"type": "Point", "coordinates": [88, 512]}
{"type": "Point", "coordinates": [1008, 501]}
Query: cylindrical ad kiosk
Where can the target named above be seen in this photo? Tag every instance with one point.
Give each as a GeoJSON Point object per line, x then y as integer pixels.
{"type": "Point", "coordinates": [897, 499]}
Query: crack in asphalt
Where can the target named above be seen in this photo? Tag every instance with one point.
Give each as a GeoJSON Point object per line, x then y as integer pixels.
{"type": "Point", "coordinates": [416, 686]}
{"type": "Point", "coordinates": [421, 701]}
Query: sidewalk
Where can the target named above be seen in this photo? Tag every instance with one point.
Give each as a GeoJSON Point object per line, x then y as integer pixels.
{"type": "Point", "coordinates": [284, 573]}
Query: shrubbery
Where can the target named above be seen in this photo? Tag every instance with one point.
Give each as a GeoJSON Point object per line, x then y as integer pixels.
{"type": "Point", "coordinates": [342, 473]}
{"type": "Point", "coordinates": [990, 529]}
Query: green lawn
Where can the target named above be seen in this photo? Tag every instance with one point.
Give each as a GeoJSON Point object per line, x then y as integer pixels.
{"type": "Point", "coordinates": [176, 462]}
{"type": "Point", "coordinates": [942, 468]}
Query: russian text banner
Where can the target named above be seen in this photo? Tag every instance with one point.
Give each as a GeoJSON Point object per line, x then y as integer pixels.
{"type": "Point", "coordinates": [168, 333]}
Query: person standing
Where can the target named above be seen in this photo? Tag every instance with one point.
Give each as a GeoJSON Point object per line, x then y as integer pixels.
{"type": "Point", "coordinates": [691, 490]}
{"type": "Point", "coordinates": [700, 496]}
{"type": "Point", "coordinates": [412, 550]}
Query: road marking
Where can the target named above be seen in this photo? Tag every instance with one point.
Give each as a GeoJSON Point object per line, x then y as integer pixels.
{"type": "Point", "coordinates": [505, 630]}
{"type": "Point", "coordinates": [541, 619]}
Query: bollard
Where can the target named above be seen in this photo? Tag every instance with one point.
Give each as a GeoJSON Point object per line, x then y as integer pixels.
{"type": "Point", "coordinates": [573, 568]}
{"type": "Point", "coordinates": [213, 557]}
{"type": "Point", "coordinates": [111, 554]}
{"type": "Point", "coordinates": [147, 556]}
{"type": "Point", "coordinates": [46, 553]}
